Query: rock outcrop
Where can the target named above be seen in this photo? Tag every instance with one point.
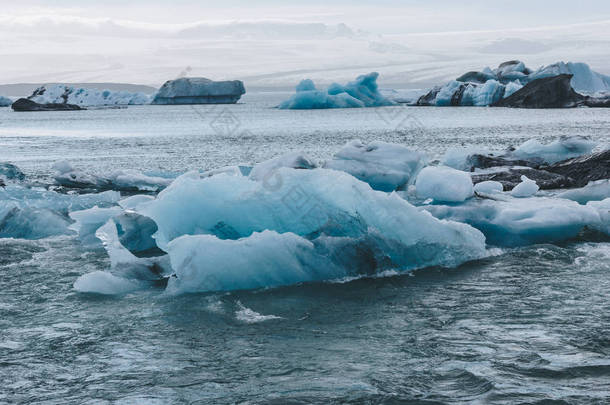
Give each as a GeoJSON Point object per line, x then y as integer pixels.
{"type": "Point", "coordinates": [23, 104]}
{"type": "Point", "coordinates": [548, 92]}
{"type": "Point", "coordinates": [199, 90]}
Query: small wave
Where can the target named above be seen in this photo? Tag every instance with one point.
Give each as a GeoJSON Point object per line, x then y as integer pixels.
{"type": "Point", "coordinates": [247, 315]}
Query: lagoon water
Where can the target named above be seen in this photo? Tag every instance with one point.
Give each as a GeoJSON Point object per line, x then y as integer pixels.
{"type": "Point", "coordinates": [526, 325]}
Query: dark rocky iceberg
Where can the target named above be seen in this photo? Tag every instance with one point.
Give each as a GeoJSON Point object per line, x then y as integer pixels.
{"type": "Point", "coordinates": [199, 90]}
{"type": "Point", "coordinates": [23, 104]}
{"type": "Point", "coordinates": [548, 92]}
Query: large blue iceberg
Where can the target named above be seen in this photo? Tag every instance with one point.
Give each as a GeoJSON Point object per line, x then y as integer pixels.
{"type": "Point", "coordinates": [362, 92]}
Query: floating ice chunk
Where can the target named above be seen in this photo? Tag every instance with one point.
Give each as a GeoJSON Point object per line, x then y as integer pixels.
{"type": "Point", "coordinates": [362, 92]}
{"type": "Point", "coordinates": [445, 95]}
{"type": "Point", "coordinates": [11, 172]}
{"type": "Point", "coordinates": [594, 191]}
{"type": "Point", "coordinates": [5, 101]}
{"type": "Point", "coordinates": [86, 97]}
{"type": "Point", "coordinates": [103, 282]}
{"type": "Point", "coordinates": [488, 187]}
{"type": "Point", "coordinates": [123, 180]}
{"type": "Point", "coordinates": [34, 214]}
{"type": "Point", "coordinates": [522, 221]}
{"type": "Point", "coordinates": [319, 214]}
{"type": "Point", "coordinates": [384, 166]}
{"type": "Point", "coordinates": [30, 223]}
{"type": "Point", "coordinates": [199, 90]}
{"type": "Point", "coordinates": [444, 184]}
{"type": "Point", "coordinates": [526, 188]}
{"type": "Point", "coordinates": [603, 208]}
{"type": "Point", "coordinates": [89, 220]}
{"type": "Point", "coordinates": [295, 160]}
{"type": "Point", "coordinates": [561, 149]}
{"type": "Point", "coordinates": [125, 264]}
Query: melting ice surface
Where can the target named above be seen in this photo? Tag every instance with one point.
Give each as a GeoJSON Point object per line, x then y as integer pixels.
{"type": "Point", "coordinates": [362, 92]}
{"type": "Point", "coordinates": [86, 97]}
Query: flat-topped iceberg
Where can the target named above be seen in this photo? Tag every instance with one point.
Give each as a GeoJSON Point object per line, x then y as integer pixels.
{"type": "Point", "coordinates": [199, 90]}
{"type": "Point", "coordinates": [362, 92]}
{"type": "Point", "coordinates": [65, 94]}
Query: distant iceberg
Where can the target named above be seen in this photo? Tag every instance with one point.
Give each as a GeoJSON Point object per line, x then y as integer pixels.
{"type": "Point", "coordinates": [5, 101]}
{"type": "Point", "coordinates": [64, 94]}
{"type": "Point", "coordinates": [362, 92]}
{"type": "Point", "coordinates": [199, 90]}
{"type": "Point", "coordinates": [488, 87]}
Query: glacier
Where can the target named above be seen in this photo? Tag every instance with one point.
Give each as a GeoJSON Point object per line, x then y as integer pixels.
{"type": "Point", "coordinates": [384, 166]}
{"type": "Point", "coordinates": [362, 92]}
{"type": "Point", "coordinates": [63, 94]}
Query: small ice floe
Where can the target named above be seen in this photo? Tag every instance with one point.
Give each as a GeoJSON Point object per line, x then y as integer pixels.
{"type": "Point", "coordinates": [594, 191]}
{"type": "Point", "coordinates": [444, 184]}
{"type": "Point", "coordinates": [488, 187]}
{"type": "Point", "coordinates": [526, 188]}
{"type": "Point", "coordinates": [247, 315]}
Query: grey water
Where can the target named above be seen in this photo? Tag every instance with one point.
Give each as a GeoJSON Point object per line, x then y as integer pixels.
{"type": "Point", "coordinates": [529, 325]}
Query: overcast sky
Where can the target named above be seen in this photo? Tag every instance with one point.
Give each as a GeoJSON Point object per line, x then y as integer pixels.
{"type": "Point", "coordinates": [276, 43]}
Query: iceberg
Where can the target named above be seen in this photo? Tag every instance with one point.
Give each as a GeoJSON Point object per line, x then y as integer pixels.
{"type": "Point", "coordinates": [9, 171]}
{"type": "Point", "coordinates": [62, 94]}
{"type": "Point", "coordinates": [5, 101]}
{"type": "Point", "coordinates": [327, 223]}
{"type": "Point", "coordinates": [526, 188]}
{"type": "Point", "coordinates": [488, 187]}
{"type": "Point", "coordinates": [556, 151]}
{"type": "Point", "coordinates": [120, 180]}
{"type": "Point", "coordinates": [362, 92]}
{"type": "Point", "coordinates": [490, 87]}
{"type": "Point", "coordinates": [584, 79]}
{"type": "Point", "coordinates": [522, 221]}
{"type": "Point", "coordinates": [199, 90]}
{"type": "Point", "coordinates": [35, 214]}
{"type": "Point", "coordinates": [594, 191]}
{"type": "Point", "coordinates": [603, 208]}
{"type": "Point", "coordinates": [443, 184]}
{"type": "Point", "coordinates": [384, 166]}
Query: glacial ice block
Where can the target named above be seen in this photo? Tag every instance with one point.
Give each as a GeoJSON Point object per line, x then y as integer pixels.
{"type": "Point", "coordinates": [594, 191]}
{"type": "Point", "coordinates": [362, 92]}
{"type": "Point", "coordinates": [199, 90]}
{"type": "Point", "coordinates": [350, 225]}
{"type": "Point", "coordinates": [561, 149]}
{"type": "Point", "coordinates": [526, 188]}
{"type": "Point", "coordinates": [63, 94]}
{"type": "Point", "coordinates": [384, 166]}
{"type": "Point", "coordinates": [489, 187]}
{"type": "Point", "coordinates": [522, 221]}
{"type": "Point", "coordinates": [444, 184]}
